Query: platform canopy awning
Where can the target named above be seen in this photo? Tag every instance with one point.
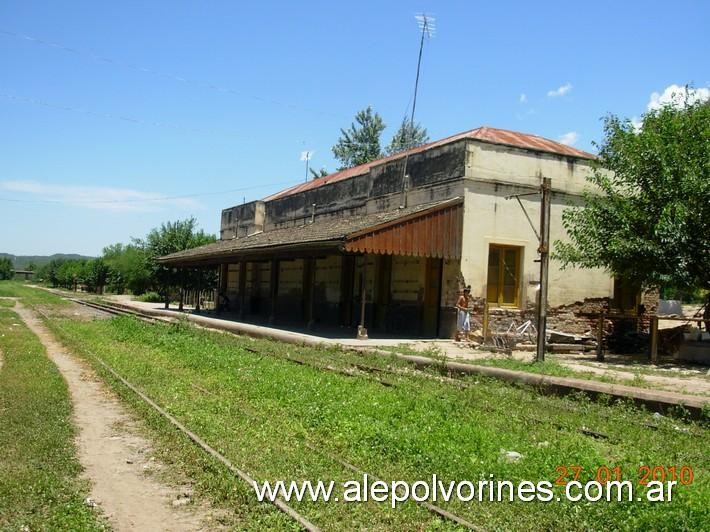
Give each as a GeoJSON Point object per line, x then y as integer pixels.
{"type": "Point", "coordinates": [435, 232]}
{"type": "Point", "coordinates": [426, 230]}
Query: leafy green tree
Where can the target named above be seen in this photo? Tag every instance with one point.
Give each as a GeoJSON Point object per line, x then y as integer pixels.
{"type": "Point", "coordinates": [647, 220]}
{"type": "Point", "coordinates": [71, 274]}
{"type": "Point", "coordinates": [407, 136]}
{"type": "Point", "coordinates": [172, 237]}
{"type": "Point", "coordinates": [48, 272]}
{"type": "Point", "coordinates": [318, 173]}
{"type": "Point", "coordinates": [360, 144]}
{"type": "Point", "coordinates": [96, 274]}
{"type": "Point", "coordinates": [53, 273]}
{"type": "Point", "coordinates": [129, 268]}
{"type": "Point", "coordinates": [6, 270]}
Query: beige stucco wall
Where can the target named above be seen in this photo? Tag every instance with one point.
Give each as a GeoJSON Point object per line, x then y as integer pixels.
{"type": "Point", "coordinates": [505, 164]}
{"type": "Point", "coordinates": [493, 172]}
{"type": "Point", "coordinates": [327, 277]}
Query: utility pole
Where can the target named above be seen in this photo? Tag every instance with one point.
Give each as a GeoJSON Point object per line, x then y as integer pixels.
{"type": "Point", "coordinates": [544, 251]}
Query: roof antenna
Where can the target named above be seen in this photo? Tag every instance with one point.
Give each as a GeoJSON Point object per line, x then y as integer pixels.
{"type": "Point", "coordinates": [306, 156]}
{"type": "Point", "coordinates": [427, 26]}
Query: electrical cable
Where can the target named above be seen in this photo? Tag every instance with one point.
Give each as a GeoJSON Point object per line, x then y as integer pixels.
{"type": "Point", "coordinates": [159, 73]}
{"type": "Point", "coordinates": [141, 200]}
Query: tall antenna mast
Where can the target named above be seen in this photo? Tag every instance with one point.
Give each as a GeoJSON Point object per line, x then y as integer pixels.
{"type": "Point", "coordinates": [427, 26]}
{"type": "Point", "coordinates": [306, 156]}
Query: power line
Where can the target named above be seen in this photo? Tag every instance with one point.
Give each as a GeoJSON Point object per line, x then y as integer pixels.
{"type": "Point", "coordinates": [158, 73]}
{"type": "Point", "coordinates": [109, 116]}
{"type": "Point", "coordinates": [157, 198]}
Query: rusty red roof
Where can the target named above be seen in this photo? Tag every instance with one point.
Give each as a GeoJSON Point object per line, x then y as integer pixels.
{"type": "Point", "coordinates": [493, 135]}
{"type": "Point", "coordinates": [335, 230]}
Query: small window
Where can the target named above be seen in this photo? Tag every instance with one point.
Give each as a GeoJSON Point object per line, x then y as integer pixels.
{"type": "Point", "coordinates": [503, 276]}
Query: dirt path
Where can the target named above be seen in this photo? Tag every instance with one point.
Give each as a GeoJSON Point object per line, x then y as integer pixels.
{"type": "Point", "coordinates": [689, 385]}
{"type": "Point", "coordinates": [115, 458]}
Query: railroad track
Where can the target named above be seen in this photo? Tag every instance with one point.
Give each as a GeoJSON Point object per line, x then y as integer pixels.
{"type": "Point", "coordinates": [115, 310]}
{"type": "Point", "coordinates": [354, 370]}
{"type": "Point", "coordinates": [280, 504]}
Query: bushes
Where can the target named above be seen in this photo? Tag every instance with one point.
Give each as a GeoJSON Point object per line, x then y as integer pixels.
{"type": "Point", "coordinates": [5, 269]}
{"type": "Point", "coordinates": [133, 267]}
{"type": "Point", "coordinates": [150, 297]}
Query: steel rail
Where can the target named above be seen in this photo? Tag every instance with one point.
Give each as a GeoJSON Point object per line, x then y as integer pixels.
{"type": "Point", "coordinates": [441, 512]}
{"type": "Point", "coordinates": [278, 503]}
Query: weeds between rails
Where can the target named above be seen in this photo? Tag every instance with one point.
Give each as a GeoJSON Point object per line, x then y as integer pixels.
{"type": "Point", "coordinates": [367, 371]}
{"type": "Point", "coordinates": [363, 430]}
{"type": "Point", "coordinates": [281, 505]}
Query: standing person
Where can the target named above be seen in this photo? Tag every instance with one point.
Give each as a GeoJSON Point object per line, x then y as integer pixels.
{"type": "Point", "coordinates": [463, 319]}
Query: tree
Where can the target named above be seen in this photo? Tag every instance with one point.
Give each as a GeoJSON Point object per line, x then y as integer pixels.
{"type": "Point", "coordinates": [129, 268]}
{"type": "Point", "coordinates": [172, 237]}
{"type": "Point", "coordinates": [407, 136]}
{"type": "Point", "coordinates": [360, 144]}
{"type": "Point", "coordinates": [49, 272]}
{"type": "Point", "coordinates": [96, 273]}
{"type": "Point", "coordinates": [318, 173]}
{"type": "Point", "coordinates": [648, 221]}
{"type": "Point", "coordinates": [6, 270]}
{"type": "Point", "coordinates": [71, 273]}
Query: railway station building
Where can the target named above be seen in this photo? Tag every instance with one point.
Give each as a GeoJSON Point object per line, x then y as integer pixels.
{"type": "Point", "coordinates": [391, 247]}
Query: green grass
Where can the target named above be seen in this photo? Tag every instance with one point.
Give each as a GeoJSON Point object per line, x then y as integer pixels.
{"type": "Point", "coordinates": [548, 367]}
{"type": "Point", "coordinates": [39, 489]}
{"type": "Point", "coordinates": [557, 369]}
{"type": "Point", "coordinates": [30, 295]}
{"type": "Point", "coordinates": [150, 297]}
{"type": "Point", "coordinates": [268, 414]}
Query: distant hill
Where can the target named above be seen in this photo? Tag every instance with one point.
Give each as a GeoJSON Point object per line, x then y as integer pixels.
{"type": "Point", "coordinates": [20, 262]}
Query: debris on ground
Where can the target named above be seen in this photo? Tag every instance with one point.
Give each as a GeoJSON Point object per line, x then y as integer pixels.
{"type": "Point", "coordinates": [182, 500]}
{"type": "Point", "coordinates": [91, 503]}
{"type": "Point", "coordinates": [511, 456]}
{"type": "Point", "coordinates": [562, 342]}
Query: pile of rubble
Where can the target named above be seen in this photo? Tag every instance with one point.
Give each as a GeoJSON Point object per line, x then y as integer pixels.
{"type": "Point", "coordinates": [561, 342]}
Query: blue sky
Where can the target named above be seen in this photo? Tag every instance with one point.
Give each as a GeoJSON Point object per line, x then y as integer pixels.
{"type": "Point", "coordinates": [105, 106]}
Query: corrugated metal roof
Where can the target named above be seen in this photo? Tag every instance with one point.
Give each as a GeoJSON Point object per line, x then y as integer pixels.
{"type": "Point", "coordinates": [323, 230]}
{"type": "Point", "coordinates": [433, 233]}
{"type": "Point", "coordinates": [493, 135]}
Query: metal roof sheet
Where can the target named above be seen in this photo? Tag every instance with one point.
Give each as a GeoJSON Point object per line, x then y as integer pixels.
{"type": "Point", "coordinates": [322, 230]}
{"type": "Point", "coordinates": [492, 135]}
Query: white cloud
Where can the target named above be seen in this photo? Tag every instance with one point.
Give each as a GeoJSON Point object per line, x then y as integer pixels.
{"type": "Point", "coordinates": [523, 98]}
{"type": "Point", "coordinates": [637, 123]}
{"type": "Point", "coordinates": [675, 95]}
{"type": "Point", "coordinates": [104, 198]}
{"type": "Point", "coordinates": [568, 139]}
{"type": "Point", "coordinates": [560, 91]}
